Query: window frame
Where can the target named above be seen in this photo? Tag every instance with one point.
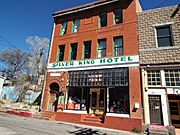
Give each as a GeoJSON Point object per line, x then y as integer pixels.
{"type": "Point", "coordinates": [63, 24]}
{"type": "Point", "coordinates": [71, 57]}
{"type": "Point", "coordinates": [153, 73]}
{"type": "Point", "coordinates": [85, 50]}
{"type": "Point", "coordinates": [115, 47]}
{"type": "Point", "coordinates": [172, 79]}
{"type": "Point", "coordinates": [121, 16]}
{"type": "Point", "coordinates": [73, 25]}
{"type": "Point", "coordinates": [102, 49]}
{"type": "Point", "coordinates": [170, 36]}
{"type": "Point", "coordinates": [60, 47]}
{"type": "Point", "coordinates": [102, 19]}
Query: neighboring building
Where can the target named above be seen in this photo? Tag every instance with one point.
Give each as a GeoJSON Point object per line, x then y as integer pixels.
{"type": "Point", "coordinates": [93, 65]}
{"type": "Point", "coordinates": [159, 49]}
{"type": "Point", "coordinates": [1, 83]}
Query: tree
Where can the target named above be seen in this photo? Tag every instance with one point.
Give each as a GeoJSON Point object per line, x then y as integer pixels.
{"type": "Point", "coordinates": [39, 47]}
{"type": "Point", "coordinates": [15, 62]}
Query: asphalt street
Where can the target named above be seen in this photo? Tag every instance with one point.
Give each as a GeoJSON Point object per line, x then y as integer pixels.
{"type": "Point", "coordinates": [16, 125]}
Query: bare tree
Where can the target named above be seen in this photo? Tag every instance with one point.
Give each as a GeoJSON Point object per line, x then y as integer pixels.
{"type": "Point", "coordinates": [15, 62]}
{"type": "Point", "coordinates": [39, 47]}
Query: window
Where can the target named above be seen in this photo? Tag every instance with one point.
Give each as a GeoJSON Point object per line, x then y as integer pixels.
{"type": "Point", "coordinates": [63, 28]}
{"type": "Point", "coordinates": [117, 16]}
{"type": "Point", "coordinates": [75, 26]}
{"type": "Point", "coordinates": [73, 51]}
{"type": "Point", "coordinates": [87, 49]}
{"type": "Point", "coordinates": [104, 77]}
{"type": "Point", "coordinates": [119, 100]}
{"type": "Point", "coordinates": [102, 19]}
{"type": "Point", "coordinates": [153, 77]}
{"type": "Point", "coordinates": [101, 48]}
{"type": "Point", "coordinates": [172, 77]}
{"type": "Point", "coordinates": [164, 36]}
{"type": "Point", "coordinates": [118, 46]}
{"type": "Point", "coordinates": [77, 99]}
{"type": "Point", "coordinates": [60, 56]}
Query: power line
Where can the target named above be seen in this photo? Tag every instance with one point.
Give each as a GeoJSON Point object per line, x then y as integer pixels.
{"type": "Point", "coordinates": [3, 44]}
{"type": "Point", "coordinates": [9, 43]}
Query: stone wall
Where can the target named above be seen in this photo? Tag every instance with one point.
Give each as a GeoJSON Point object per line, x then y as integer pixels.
{"type": "Point", "coordinates": [148, 50]}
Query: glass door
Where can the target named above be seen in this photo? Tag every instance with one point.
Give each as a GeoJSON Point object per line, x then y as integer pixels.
{"type": "Point", "coordinates": [97, 101]}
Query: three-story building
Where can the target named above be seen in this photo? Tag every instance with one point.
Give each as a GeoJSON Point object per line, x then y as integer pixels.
{"type": "Point", "coordinates": [93, 65]}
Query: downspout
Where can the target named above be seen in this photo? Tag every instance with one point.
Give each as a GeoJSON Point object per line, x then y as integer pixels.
{"type": "Point", "coordinates": [143, 94]}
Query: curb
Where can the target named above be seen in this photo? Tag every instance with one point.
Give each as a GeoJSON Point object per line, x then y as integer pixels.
{"type": "Point", "coordinates": [19, 113]}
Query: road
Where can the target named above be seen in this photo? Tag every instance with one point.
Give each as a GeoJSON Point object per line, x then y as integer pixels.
{"type": "Point", "coordinates": [16, 125]}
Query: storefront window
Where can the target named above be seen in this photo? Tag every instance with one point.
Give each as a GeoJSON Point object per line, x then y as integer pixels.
{"type": "Point", "coordinates": [119, 100]}
{"type": "Point", "coordinates": [104, 77]}
{"type": "Point", "coordinates": [77, 99]}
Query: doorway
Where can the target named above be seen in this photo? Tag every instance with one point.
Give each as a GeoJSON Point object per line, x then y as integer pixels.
{"type": "Point", "coordinates": [155, 109]}
{"type": "Point", "coordinates": [97, 101]}
{"type": "Point", "coordinates": [54, 95]}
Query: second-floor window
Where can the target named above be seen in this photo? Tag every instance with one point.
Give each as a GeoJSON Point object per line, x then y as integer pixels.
{"type": "Point", "coordinates": [118, 16]}
{"type": "Point", "coordinates": [75, 25]}
{"type": "Point", "coordinates": [118, 46]}
{"type": "Point", "coordinates": [102, 19]}
{"type": "Point", "coordinates": [60, 56]}
{"type": "Point", "coordinates": [63, 28]}
{"type": "Point", "coordinates": [73, 51]}
{"type": "Point", "coordinates": [87, 49]}
{"type": "Point", "coordinates": [101, 48]}
{"type": "Point", "coordinates": [164, 38]}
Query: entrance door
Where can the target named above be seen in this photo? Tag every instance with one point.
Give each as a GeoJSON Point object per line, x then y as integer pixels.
{"type": "Point", "coordinates": [97, 101]}
{"type": "Point", "coordinates": [155, 109]}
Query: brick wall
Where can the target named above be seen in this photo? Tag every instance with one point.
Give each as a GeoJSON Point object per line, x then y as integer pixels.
{"type": "Point", "coordinates": [147, 20]}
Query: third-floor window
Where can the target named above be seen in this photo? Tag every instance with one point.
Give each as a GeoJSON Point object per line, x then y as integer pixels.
{"type": "Point", "coordinates": [102, 19]}
{"type": "Point", "coordinates": [73, 51]}
{"type": "Point", "coordinates": [118, 16]}
{"type": "Point", "coordinates": [75, 25]}
{"type": "Point", "coordinates": [63, 29]}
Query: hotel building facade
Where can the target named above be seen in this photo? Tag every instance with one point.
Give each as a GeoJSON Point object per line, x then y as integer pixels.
{"type": "Point", "coordinates": [93, 66]}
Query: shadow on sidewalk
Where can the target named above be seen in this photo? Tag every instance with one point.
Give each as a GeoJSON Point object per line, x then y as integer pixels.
{"type": "Point", "coordinates": [86, 131]}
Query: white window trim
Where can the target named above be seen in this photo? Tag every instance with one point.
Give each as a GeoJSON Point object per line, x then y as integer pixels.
{"type": "Point", "coordinates": [160, 25]}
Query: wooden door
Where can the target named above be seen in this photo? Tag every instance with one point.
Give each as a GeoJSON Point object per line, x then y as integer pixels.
{"type": "Point", "coordinates": [155, 109]}
{"type": "Point", "coordinates": [97, 101]}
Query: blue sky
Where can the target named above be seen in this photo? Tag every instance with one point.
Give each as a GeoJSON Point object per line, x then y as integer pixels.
{"type": "Point", "coordinates": [22, 18]}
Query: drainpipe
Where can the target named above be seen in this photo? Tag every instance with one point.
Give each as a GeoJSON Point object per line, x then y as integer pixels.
{"type": "Point", "coordinates": [143, 94]}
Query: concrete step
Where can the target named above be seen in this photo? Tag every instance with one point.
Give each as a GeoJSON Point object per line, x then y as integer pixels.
{"type": "Point", "coordinates": [158, 130]}
{"type": "Point", "coordinates": [44, 115]}
{"type": "Point", "coordinates": [91, 119]}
